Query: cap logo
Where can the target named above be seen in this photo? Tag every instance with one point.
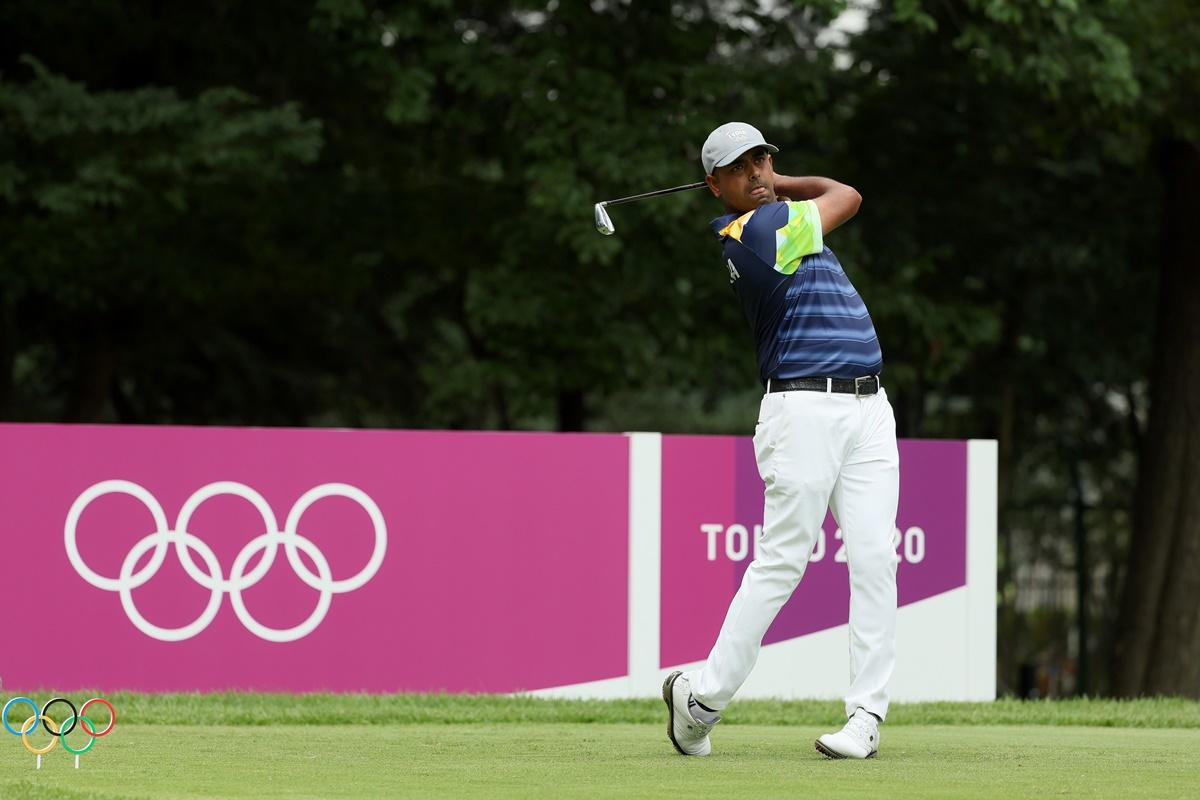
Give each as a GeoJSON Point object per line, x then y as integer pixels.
{"type": "Point", "coordinates": [736, 135]}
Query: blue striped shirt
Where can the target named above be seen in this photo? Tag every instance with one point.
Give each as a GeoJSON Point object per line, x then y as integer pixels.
{"type": "Point", "coordinates": [806, 317]}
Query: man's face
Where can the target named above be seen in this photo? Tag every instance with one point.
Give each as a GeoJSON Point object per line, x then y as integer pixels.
{"type": "Point", "coordinates": [747, 183]}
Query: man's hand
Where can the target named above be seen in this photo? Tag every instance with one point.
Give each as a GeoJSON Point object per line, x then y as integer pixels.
{"type": "Point", "coordinates": [837, 202]}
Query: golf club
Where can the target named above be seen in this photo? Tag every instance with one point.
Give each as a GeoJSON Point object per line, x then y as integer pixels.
{"type": "Point", "coordinates": [604, 223]}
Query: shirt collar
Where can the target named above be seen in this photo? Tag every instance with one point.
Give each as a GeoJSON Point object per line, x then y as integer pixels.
{"type": "Point", "coordinates": [719, 223]}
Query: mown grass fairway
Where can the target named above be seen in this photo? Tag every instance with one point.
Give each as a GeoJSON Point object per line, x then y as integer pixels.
{"type": "Point", "coordinates": [505, 747]}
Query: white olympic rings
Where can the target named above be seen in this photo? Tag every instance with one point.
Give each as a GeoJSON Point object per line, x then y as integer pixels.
{"type": "Point", "coordinates": [214, 580]}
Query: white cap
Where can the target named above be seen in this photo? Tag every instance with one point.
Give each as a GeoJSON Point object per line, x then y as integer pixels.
{"type": "Point", "coordinates": [726, 143]}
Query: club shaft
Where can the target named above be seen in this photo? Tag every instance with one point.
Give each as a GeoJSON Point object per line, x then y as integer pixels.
{"type": "Point", "coordinates": [631, 198]}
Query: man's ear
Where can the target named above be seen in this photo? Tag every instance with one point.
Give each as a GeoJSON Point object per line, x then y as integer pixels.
{"type": "Point", "coordinates": [712, 185]}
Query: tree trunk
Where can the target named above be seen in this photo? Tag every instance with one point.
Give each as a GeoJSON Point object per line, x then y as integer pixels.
{"type": "Point", "coordinates": [909, 408]}
{"type": "Point", "coordinates": [1158, 637]}
{"type": "Point", "coordinates": [571, 410]}
{"type": "Point", "coordinates": [91, 394]}
{"type": "Point", "coordinates": [1083, 582]}
{"type": "Point", "coordinates": [8, 354]}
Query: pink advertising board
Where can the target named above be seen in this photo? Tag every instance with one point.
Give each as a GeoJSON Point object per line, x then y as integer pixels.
{"type": "Point", "coordinates": [169, 558]}
{"type": "Point", "coordinates": [712, 511]}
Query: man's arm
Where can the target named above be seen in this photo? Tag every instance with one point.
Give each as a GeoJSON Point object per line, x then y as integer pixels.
{"type": "Point", "coordinates": [837, 202]}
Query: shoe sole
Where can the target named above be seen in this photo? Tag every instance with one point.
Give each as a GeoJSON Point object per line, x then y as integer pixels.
{"type": "Point", "coordinates": [825, 751]}
{"type": "Point", "coordinates": [668, 690]}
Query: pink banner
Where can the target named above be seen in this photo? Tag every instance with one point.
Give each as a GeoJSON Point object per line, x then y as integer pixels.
{"type": "Point", "coordinates": [712, 513]}
{"type": "Point", "coordinates": [166, 558]}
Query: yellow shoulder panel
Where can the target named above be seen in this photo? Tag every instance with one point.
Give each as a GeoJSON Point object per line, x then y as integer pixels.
{"type": "Point", "coordinates": [734, 228]}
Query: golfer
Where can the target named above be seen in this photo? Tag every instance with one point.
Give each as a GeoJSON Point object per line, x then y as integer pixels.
{"type": "Point", "coordinates": [825, 438]}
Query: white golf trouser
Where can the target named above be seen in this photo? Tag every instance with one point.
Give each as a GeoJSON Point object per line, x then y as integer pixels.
{"type": "Point", "coordinates": [819, 450]}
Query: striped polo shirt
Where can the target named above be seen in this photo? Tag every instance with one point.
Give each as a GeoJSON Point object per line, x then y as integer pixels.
{"type": "Point", "coordinates": [806, 317]}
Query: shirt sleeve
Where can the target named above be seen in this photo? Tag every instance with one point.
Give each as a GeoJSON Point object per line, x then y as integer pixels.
{"type": "Point", "coordinates": [800, 236]}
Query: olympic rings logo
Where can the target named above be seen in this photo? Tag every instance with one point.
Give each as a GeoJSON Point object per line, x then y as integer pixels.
{"type": "Point", "coordinates": [212, 577]}
{"type": "Point", "coordinates": [42, 717]}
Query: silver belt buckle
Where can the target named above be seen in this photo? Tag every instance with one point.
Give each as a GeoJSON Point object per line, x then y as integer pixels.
{"type": "Point", "coordinates": [857, 384]}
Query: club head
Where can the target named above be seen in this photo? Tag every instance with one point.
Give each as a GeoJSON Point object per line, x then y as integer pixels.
{"type": "Point", "coordinates": [603, 222]}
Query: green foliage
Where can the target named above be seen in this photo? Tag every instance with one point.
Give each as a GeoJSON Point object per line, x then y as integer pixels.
{"type": "Point", "coordinates": [1059, 47]}
{"type": "Point", "coordinates": [422, 200]}
{"type": "Point", "coordinates": [540, 116]}
{"type": "Point", "coordinates": [122, 151]}
{"type": "Point", "coordinates": [102, 190]}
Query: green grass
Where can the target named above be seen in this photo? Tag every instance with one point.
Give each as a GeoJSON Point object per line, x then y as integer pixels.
{"type": "Point", "coordinates": [572, 760]}
{"type": "Point", "coordinates": [327, 746]}
{"type": "Point", "coordinates": [255, 708]}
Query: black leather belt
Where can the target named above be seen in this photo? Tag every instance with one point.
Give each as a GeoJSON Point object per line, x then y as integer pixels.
{"type": "Point", "coordinates": [859, 387]}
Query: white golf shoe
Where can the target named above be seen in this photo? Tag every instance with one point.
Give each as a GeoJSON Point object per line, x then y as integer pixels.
{"type": "Point", "coordinates": [688, 734]}
{"type": "Point", "coordinates": [858, 739]}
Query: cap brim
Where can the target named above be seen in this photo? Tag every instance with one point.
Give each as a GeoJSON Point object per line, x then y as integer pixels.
{"type": "Point", "coordinates": [736, 154]}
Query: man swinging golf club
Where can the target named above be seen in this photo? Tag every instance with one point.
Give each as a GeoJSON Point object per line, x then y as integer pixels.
{"type": "Point", "coordinates": [825, 438]}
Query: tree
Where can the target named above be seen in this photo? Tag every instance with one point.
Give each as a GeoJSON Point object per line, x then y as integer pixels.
{"type": "Point", "coordinates": [1126, 76]}
{"type": "Point", "coordinates": [106, 237]}
{"type": "Point", "coordinates": [1158, 646]}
